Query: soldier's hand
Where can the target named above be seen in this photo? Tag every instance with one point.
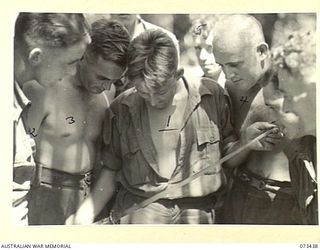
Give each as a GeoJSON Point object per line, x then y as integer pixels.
{"type": "Point", "coordinates": [265, 144]}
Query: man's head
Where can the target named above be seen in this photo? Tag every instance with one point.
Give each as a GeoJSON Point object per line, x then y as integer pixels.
{"type": "Point", "coordinates": [296, 65]}
{"type": "Point", "coordinates": [203, 46]}
{"type": "Point", "coordinates": [105, 60]}
{"type": "Point", "coordinates": [273, 99]}
{"type": "Point", "coordinates": [152, 67]}
{"type": "Point", "coordinates": [48, 46]}
{"type": "Point", "coordinates": [128, 20]}
{"type": "Point", "coordinates": [240, 49]}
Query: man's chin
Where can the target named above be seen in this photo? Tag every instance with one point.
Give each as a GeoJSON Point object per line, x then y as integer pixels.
{"type": "Point", "coordinates": [159, 106]}
{"type": "Point", "coordinates": [293, 133]}
{"type": "Point", "coordinates": [241, 84]}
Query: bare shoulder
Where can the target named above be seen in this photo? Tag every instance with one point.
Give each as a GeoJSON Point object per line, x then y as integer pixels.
{"type": "Point", "coordinates": [32, 89]}
{"type": "Point", "coordinates": [40, 104]}
{"type": "Point", "coordinates": [259, 111]}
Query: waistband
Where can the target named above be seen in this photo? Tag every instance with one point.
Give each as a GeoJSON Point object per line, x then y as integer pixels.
{"type": "Point", "coordinates": [263, 184]}
{"type": "Point", "coordinates": [213, 200]}
{"type": "Point", "coordinates": [59, 178]}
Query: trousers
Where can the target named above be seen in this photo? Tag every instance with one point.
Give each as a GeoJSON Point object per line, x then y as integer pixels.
{"type": "Point", "coordinates": [198, 210]}
{"type": "Point", "coordinates": [55, 195]}
{"type": "Point", "coordinates": [249, 202]}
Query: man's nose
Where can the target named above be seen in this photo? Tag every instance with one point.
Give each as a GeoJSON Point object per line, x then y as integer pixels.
{"type": "Point", "coordinates": [152, 100]}
{"type": "Point", "coordinates": [71, 71]}
{"type": "Point", "coordinates": [86, 40]}
{"type": "Point", "coordinates": [228, 73]}
{"type": "Point", "coordinates": [274, 104]}
{"type": "Point", "coordinates": [106, 85]}
{"type": "Point", "coordinates": [203, 54]}
{"type": "Point", "coordinates": [286, 106]}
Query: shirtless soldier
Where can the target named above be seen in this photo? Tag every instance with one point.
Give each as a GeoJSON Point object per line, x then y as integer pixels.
{"type": "Point", "coordinates": [47, 47]}
{"type": "Point", "coordinates": [296, 63]}
{"type": "Point", "coordinates": [261, 192]}
{"type": "Point", "coordinates": [67, 120]}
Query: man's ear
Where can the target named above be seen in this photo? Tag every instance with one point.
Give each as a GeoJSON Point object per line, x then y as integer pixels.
{"type": "Point", "coordinates": [35, 56]}
{"type": "Point", "coordinates": [263, 50]}
{"type": "Point", "coordinates": [179, 73]}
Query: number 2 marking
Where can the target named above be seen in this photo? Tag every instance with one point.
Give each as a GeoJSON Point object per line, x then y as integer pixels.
{"type": "Point", "coordinates": [32, 132]}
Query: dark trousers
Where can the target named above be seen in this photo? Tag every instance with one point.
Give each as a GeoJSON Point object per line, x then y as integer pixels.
{"type": "Point", "coordinates": [55, 195]}
{"type": "Point", "coordinates": [246, 204]}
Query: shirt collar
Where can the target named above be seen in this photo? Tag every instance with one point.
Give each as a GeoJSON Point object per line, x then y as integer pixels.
{"type": "Point", "coordinates": [20, 101]}
{"type": "Point", "coordinates": [139, 27]}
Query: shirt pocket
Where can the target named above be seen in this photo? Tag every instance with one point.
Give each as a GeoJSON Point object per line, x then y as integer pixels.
{"type": "Point", "coordinates": [208, 149]}
{"type": "Point", "coordinates": [208, 139]}
{"type": "Point", "coordinates": [129, 145]}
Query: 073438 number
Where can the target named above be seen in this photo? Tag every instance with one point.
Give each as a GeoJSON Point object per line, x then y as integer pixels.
{"type": "Point", "coordinates": [308, 245]}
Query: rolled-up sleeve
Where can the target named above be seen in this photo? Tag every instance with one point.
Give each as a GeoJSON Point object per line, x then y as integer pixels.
{"type": "Point", "coordinates": [111, 150]}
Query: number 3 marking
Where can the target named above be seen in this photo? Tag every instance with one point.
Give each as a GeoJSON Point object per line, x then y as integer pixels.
{"type": "Point", "coordinates": [70, 119]}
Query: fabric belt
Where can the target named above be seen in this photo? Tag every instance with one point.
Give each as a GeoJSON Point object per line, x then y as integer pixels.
{"type": "Point", "coordinates": [263, 184]}
{"type": "Point", "coordinates": [59, 178]}
{"type": "Point", "coordinates": [214, 200]}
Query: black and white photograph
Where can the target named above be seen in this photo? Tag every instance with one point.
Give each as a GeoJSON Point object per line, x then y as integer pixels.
{"type": "Point", "coordinates": [151, 123]}
{"type": "Point", "coordinates": [165, 119]}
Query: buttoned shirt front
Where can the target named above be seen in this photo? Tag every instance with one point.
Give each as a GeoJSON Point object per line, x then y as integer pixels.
{"type": "Point", "coordinates": [129, 149]}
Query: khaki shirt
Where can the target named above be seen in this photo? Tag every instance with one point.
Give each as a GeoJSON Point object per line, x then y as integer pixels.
{"type": "Point", "coordinates": [128, 147]}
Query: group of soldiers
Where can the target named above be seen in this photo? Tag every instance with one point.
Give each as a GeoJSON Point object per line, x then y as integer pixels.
{"type": "Point", "coordinates": [108, 124]}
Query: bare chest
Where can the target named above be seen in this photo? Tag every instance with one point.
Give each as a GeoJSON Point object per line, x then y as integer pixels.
{"type": "Point", "coordinates": [241, 103]}
{"type": "Point", "coordinates": [74, 117]}
{"type": "Point", "coordinates": [165, 129]}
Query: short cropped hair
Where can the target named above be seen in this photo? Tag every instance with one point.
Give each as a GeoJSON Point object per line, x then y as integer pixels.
{"type": "Point", "coordinates": [242, 27]}
{"type": "Point", "coordinates": [57, 30]}
{"type": "Point", "coordinates": [152, 57]}
{"type": "Point", "coordinates": [298, 55]}
{"type": "Point", "coordinates": [110, 40]}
